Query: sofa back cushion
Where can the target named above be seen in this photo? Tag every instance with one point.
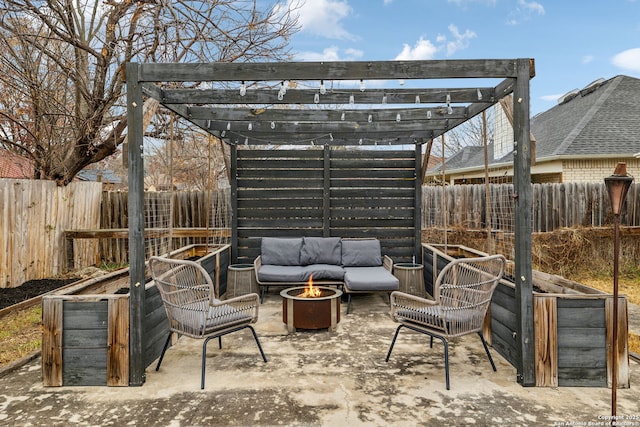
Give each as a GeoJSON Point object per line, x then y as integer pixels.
{"type": "Point", "coordinates": [361, 253]}
{"type": "Point", "coordinates": [321, 250]}
{"type": "Point", "coordinates": [280, 251]}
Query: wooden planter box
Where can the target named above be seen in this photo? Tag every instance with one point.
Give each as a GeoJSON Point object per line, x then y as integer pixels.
{"type": "Point", "coordinates": [572, 324]}
{"type": "Point", "coordinates": [85, 339]}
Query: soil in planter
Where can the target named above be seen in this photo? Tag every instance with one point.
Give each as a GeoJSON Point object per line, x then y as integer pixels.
{"type": "Point", "coordinates": [30, 289]}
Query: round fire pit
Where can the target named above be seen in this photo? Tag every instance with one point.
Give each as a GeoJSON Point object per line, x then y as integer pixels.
{"type": "Point", "coordinates": [321, 312]}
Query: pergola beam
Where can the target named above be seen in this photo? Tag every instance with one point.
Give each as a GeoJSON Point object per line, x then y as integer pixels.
{"type": "Point", "coordinates": [352, 70]}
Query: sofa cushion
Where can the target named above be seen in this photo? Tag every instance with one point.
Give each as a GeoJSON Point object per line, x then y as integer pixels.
{"type": "Point", "coordinates": [361, 253]}
{"type": "Point", "coordinates": [280, 251]}
{"type": "Point", "coordinates": [325, 271]}
{"type": "Point", "coordinates": [370, 279]}
{"type": "Point", "coordinates": [283, 273]}
{"type": "Point", "coordinates": [321, 250]}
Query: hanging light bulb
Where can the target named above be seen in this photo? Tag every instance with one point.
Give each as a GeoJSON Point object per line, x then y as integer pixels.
{"type": "Point", "coordinates": [384, 99]}
{"type": "Point", "coordinates": [448, 98]}
{"type": "Point", "coordinates": [283, 87]}
{"type": "Point", "coordinates": [398, 118]}
{"type": "Point", "coordinates": [223, 133]}
{"type": "Point", "coordinates": [228, 125]}
{"type": "Point", "coordinates": [250, 126]}
{"type": "Point", "coordinates": [428, 114]}
{"type": "Point", "coordinates": [342, 117]}
{"type": "Point", "coordinates": [273, 125]}
{"type": "Point", "coordinates": [449, 109]}
{"type": "Point", "coordinates": [352, 100]}
{"type": "Point", "coordinates": [331, 137]}
{"type": "Point", "coordinates": [280, 95]}
{"type": "Point", "coordinates": [243, 89]}
{"type": "Point", "coordinates": [360, 142]}
{"type": "Point", "coordinates": [361, 85]}
{"type": "Point", "coordinates": [323, 89]}
{"type": "Point", "coordinates": [316, 98]}
{"type": "Point", "coordinates": [246, 141]}
{"type": "Point", "coordinates": [417, 99]}
{"type": "Point", "coordinates": [370, 118]}
{"type": "Point", "coordinates": [479, 94]}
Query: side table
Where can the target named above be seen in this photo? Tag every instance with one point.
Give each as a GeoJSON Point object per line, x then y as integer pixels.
{"type": "Point", "coordinates": [241, 280]}
{"type": "Point", "coordinates": [411, 279]}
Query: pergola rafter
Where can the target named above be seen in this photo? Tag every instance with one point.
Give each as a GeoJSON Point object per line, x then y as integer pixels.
{"type": "Point", "coordinates": [435, 96]}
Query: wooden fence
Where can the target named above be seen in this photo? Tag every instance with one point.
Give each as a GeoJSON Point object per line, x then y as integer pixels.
{"type": "Point", "coordinates": [554, 206]}
{"type": "Point", "coordinates": [33, 218]}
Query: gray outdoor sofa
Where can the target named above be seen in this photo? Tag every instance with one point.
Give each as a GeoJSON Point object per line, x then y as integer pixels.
{"type": "Point", "coordinates": [354, 265]}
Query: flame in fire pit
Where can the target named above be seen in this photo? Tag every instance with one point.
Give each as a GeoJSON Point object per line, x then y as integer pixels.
{"type": "Point", "coordinates": [310, 291]}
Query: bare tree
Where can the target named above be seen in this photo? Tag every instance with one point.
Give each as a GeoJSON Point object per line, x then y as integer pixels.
{"type": "Point", "coordinates": [62, 65]}
{"type": "Point", "coordinates": [469, 134]}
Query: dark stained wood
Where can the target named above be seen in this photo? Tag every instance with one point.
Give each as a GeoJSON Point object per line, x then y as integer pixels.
{"type": "Point", "coordinates": [352, 70]}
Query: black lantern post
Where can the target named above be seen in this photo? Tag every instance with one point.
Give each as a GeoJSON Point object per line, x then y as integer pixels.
{"type": "Point", "coordinates": [617, 186]}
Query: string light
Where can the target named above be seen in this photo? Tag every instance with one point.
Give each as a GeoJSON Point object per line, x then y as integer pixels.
{"type": "Point", "coordinates": [273, 125]}
{"type": "Point", "coordinates": [246, 141]}
{"type": "Point", "coordinates": [316, 98]}
{"type": "Point", "coordinates": [342, 117]}
{"type": "Point", "coordinates": [370, 118]}
{"type": "Point", "coordinates": [428, 114]}
{"type": "Point", "coordinates": [351, 99]}
{"type": "Point", "coordinates": [479, 94]}
{"type": "Point", "coordinates": [361, 85]}
{"type": "Point", "coordinates": [449, 109]}
{"type": "Point", "coordinates": [250, 126]}
{"type": "Point", "coordinates": [228, 125]}
{"type": "Point", "coordinates": [417, 99]}
{"type": "Point", "coordinates": [360, 142]}
{"type": "Point", "coordinates": [243, 89]}
{"type": "Point", "coordinates": [223, 133]}
{"type": "Point", "coordinates": [384, 99]}
{"type": "Point", "coordinates": [330, 137]}
{"type": "Point", "coordinates": [323, 89]}
{"type": "Point", "coordinates": [398, 118]}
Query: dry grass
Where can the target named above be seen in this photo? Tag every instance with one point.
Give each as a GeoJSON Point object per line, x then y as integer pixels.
{"type": "Point", "coordinates": [21, 334]}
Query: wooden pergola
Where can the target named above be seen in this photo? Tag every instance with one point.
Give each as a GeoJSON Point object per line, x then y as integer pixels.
{"type": "Point", "coordinates": [302, 104]}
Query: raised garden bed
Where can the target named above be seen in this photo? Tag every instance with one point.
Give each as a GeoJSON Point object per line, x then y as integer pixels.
{"type": "Point", "coordinates": [85, 339]}
{"type": "Point", "coordinates": [572, 324]}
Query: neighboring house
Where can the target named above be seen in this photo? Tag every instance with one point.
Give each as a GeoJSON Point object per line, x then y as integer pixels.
{"type": "Point", "coordinates": [579, 140]}
{"type": "Point", "coordinates": [15, 166]}
{"type": "Point", "coordinates": [110, 181]}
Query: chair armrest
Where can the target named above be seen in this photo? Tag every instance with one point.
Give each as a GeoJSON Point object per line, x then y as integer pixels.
{"type": "Point", "coordinates": [248, 304]}
{"type": "Point", "coordinates": [257, 263]}
{"type": "Point", "coordinates": [402, 301]}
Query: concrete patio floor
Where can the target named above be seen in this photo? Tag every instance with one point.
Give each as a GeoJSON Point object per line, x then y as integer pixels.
{"type": "Point", "coordinates": [318, 378]}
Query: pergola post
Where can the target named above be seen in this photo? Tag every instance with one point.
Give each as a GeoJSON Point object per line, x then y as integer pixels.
{"type": "Point", "coordinates": [136, 224]}
{"type": "Point", "coordinates": [522, 257]}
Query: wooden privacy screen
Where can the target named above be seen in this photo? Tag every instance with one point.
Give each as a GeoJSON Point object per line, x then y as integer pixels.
{"type": "Point", "coordinates": [330, 192]}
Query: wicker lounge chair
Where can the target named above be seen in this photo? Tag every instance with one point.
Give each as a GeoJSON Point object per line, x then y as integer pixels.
{"type": "Point", "coordinates": [189, 298]}
{"type": "Point", "coordinates": [463, 292]}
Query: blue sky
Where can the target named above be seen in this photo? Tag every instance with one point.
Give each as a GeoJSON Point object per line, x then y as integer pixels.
{"type": "Point", "coordinates": [573, 42]}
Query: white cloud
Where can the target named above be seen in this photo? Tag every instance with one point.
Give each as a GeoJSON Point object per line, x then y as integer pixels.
{"type": "Point", "coordinates": [460, 40]}
{"type": "Point", "coordinates": [324, 18]}
{"type": "Point", "coordinates": [551, 97]}
{"type": "Point", "coordinates": [525, 11]}
{"type": "Point", "coordinates": [423, 49]}
{"type": "Point", "coordinates": [587, 59]}
{"type": "Point", "coordinates": [331, 53]}
{"type": "Point", "coordinates": [628, 60]}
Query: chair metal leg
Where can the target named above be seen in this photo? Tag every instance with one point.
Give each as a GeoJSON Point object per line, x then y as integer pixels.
{"type": "Point", "coordinates": [204, 360]}
{"type": "Point", "coordinates": [348, 303]}
{"type": "Point", "coordinates": [393, 341]}
{"type": "Point", "coordinates": [446, 361]}
{"type": "Point", "coordinates": [486, 349]}
{"type": "Point", "coordinates": [220, 342]}
{"type": "Point", "coordinates": [255, 336]}
{"type": "Point", "coordinates": [164, 349]}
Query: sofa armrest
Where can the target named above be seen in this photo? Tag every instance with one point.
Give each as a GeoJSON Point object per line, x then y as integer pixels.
{"type": "Point", "coordinates": [387, 263]}
{"type": "Point", "coordinates": [257, 263]}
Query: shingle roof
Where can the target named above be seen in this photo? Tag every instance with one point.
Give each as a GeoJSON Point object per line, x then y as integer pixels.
{"type": "Point", "coordinates": [14, 166]}
{"type": "Point", "coordinates": [602, 119]}
{"type": "Point", "coordinates": [599, 121]}
{"type": "Point", "coordinates": [106, 176]}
